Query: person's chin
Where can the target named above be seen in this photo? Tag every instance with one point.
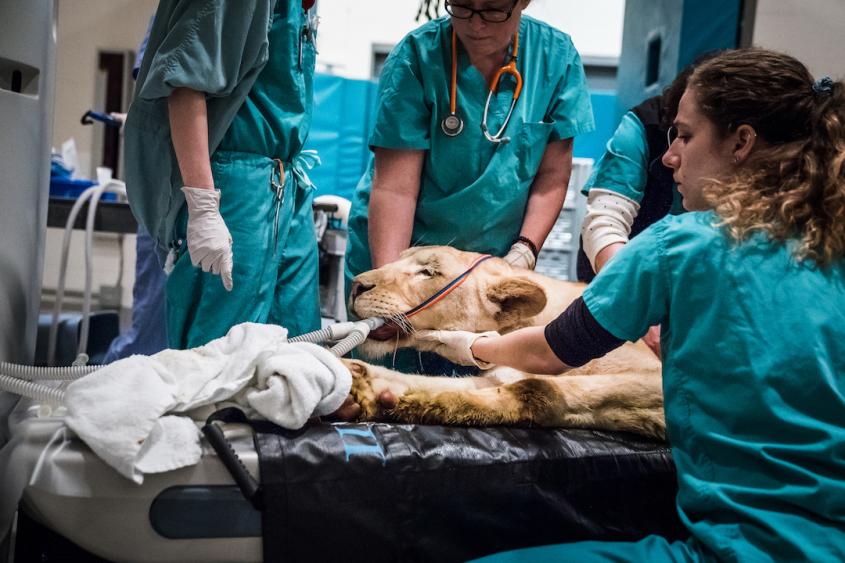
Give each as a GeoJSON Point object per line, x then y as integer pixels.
{"type": "Point", "coordinates": [484, 46]}
{"type": "Point", "coordinates": [689, 205]}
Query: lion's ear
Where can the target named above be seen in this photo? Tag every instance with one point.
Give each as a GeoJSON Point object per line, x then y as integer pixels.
{"type": "Point", "coordinates": [517, 298]}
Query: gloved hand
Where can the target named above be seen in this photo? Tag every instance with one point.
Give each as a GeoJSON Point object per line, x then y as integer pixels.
{"type": "Point", "coordinates": [520, 256]}
{"type": "Point", "coordinates": [209, 241]}
{"type": "Point", "coordinates": [455, 345]}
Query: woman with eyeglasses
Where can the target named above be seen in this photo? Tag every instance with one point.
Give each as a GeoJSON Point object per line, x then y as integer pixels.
{"type": "Point", "coordinates": [749, 288]}
{"type": "Point", "coordinates": [438, 177]}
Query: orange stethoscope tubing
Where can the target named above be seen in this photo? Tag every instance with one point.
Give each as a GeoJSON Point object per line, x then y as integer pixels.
{"type": "Point", "coordinates": [452, 125]}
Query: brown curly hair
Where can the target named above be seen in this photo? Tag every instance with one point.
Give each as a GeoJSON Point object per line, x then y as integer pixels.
{"type": "Point", "coordinates": [793, 186]}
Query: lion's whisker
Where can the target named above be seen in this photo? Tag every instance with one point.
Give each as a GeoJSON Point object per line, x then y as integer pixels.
{"type": "Point", "coordinates": [400, 320]}
{"type": "Point", "coordinates": [395, 350]}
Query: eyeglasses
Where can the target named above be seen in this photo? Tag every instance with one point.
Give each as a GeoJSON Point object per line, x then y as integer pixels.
{"type": "Point", "coordinates": [671, 135]}
{"type": "Point", "coordinates": [490, 15]}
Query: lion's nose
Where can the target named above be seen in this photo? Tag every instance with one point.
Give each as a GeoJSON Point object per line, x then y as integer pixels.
{"type": "Point", "coordinates": [358, 288]}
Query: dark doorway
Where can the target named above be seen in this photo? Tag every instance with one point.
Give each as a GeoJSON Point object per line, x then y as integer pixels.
{"type": "Point", "coordinates": [113, 67]}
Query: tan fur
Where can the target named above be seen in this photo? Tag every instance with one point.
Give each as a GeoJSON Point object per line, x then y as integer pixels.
{"type": "Point", "coordinates": [623, 391]}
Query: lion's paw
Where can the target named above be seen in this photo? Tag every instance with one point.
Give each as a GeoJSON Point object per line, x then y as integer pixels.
{"type": "Point", "coordinates": [362, 390]}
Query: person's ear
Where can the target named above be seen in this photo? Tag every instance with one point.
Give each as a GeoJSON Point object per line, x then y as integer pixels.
{"type": "Point", "coordinates": [745, 137]}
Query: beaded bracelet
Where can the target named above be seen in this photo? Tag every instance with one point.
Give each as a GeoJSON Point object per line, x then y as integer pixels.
{"type": "Point", "coordinates": [530, 243]}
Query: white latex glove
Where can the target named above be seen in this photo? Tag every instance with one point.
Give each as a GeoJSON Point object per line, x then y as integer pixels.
{"type": "Point", "coordinates": [209, 241]}
{"type": "Point", "coordinates": [520, 256]}
{"type": "Point", "coordinates": [456, 345]}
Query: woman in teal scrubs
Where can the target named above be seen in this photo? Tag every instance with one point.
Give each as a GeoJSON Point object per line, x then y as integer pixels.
{"type": "Point", "coordinates": [222, 110]}
{"type": "Point", "coordinates": [630, 188]}
{"type": "Point", "coordinates": [749, 290]}
{"type": "Point", "coordinates": [424, 186]}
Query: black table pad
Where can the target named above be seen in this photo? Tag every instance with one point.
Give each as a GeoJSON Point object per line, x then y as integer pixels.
{"type": "Point", "coordinates": [388, 492]}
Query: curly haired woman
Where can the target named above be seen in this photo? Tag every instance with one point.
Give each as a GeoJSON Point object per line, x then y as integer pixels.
{"type": "Point", "coordinates": [749, 290]}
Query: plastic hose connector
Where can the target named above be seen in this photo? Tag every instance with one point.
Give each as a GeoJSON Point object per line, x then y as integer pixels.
{"type": "Point", "coordinates": [357, 336]}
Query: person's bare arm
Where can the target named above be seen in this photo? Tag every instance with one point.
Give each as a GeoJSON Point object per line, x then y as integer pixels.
{"type": "Point", "coordinates": [607, 253]}
{"type": "Point", "coordinates": [393, 202]}
{"type": "Point", "coordinates": [208, 239]}
{"type": "Point", "coordinates": [548, 191]}
{"type": "Point", "coordinates": [189, 132]}
{"type": "Point", "coordinates": [525, 349]}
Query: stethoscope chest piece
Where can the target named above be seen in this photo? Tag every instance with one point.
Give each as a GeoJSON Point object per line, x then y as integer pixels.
{"type": "Point", "coordinates": [452, 125]}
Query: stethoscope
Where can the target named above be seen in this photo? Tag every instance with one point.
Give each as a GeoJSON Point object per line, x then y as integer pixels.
{"type": "Point", "coordinates": [452, 125]}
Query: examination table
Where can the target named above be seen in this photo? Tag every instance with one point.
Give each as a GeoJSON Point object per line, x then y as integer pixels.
{"type": "Point", "coordinates": [345, 492]}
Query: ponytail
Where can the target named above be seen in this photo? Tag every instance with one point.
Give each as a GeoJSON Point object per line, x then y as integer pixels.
{"type": "Point", "coordinates": [823, 164]}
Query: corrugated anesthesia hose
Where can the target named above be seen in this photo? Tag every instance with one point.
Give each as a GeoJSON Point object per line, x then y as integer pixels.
{"type": "Point", "coordinates": [32, 390]}
{"type": "Point", "coordinates": [316, 337]}
{"type": "Point", "coordinates": [30, 373]}
{"type": "Point", "coordinates": [18, 379]}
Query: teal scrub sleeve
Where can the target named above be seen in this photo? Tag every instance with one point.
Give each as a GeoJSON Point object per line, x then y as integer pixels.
{"type": "Point", "coordinates": [571, 111]}
{"type": "Point", "coordinates": [209, 46]}
{"type": "Point", "coordinates": [632, 292]}
{"type": "Point", "coordinates": [403, 118]}
{"type": "Point", "coordinates": [623, 167]}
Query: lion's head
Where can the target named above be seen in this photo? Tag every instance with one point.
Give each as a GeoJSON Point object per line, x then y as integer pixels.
{"type": "Point", "coordinates": [495, 296]}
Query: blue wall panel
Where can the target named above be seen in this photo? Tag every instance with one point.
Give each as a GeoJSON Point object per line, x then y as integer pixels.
{"type": "Point", "coordinates": [343, 112]}
{"type": "Point", "coordinates": [592, 145]}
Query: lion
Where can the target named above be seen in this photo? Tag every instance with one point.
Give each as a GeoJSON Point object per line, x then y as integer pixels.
{"type": "Point", "coordinates": [620, 391]}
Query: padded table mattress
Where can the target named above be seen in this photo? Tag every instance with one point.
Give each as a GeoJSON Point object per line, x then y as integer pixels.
{"type": "Point", "coordinates": [374, 492]}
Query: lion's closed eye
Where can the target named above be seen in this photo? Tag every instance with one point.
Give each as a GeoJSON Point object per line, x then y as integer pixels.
{"type": "Point", "coordinates": [426, 272]}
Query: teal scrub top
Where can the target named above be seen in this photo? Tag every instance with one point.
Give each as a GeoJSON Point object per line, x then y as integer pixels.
{"type": "Point", "coordinates": [623, 168]}
{"type": "Point", "coordinates": [275, 118]}
{"type": "Point", "coordinates": [185, 50]}
{"type": "Point", "coordinates": [754, 381]}
{"type": "Point", "coordinates": [473, 192]}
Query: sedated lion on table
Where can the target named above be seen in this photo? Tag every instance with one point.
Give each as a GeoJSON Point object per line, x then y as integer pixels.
{"type": "Point", "coordinates": [620, 391]}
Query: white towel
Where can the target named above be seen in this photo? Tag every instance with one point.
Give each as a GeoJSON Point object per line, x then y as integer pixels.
{"type": "Point", "coordinates": [120, 410]}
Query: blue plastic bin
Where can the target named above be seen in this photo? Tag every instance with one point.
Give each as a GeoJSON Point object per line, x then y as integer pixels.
{"type": "Point", "coordinates": [72, 189]}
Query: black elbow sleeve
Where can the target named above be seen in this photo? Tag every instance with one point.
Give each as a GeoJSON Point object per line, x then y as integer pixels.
{"type": "Point", "coordinates": [576, 337]}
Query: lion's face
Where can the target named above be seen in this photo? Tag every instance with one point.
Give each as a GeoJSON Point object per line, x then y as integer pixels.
{"type": "Point", "coordinates": [493, 297]}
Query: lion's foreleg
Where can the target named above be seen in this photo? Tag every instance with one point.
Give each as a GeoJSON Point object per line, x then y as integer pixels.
{"type": "Point", "coordinates": [627, 403]}
{"type": "Point", "coordinates": [370, 381]}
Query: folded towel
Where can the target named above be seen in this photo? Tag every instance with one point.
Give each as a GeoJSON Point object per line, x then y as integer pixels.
{"type": "Point", "coordinates": [290, 386]}
{"type": "Point", "coordinates": [119, 410]}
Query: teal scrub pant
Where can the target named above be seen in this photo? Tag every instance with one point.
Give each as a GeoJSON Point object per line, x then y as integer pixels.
{"type": "Point", "coordinates": [274, 246]}
{"type": "Point", "coordinates": [653, 549]}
